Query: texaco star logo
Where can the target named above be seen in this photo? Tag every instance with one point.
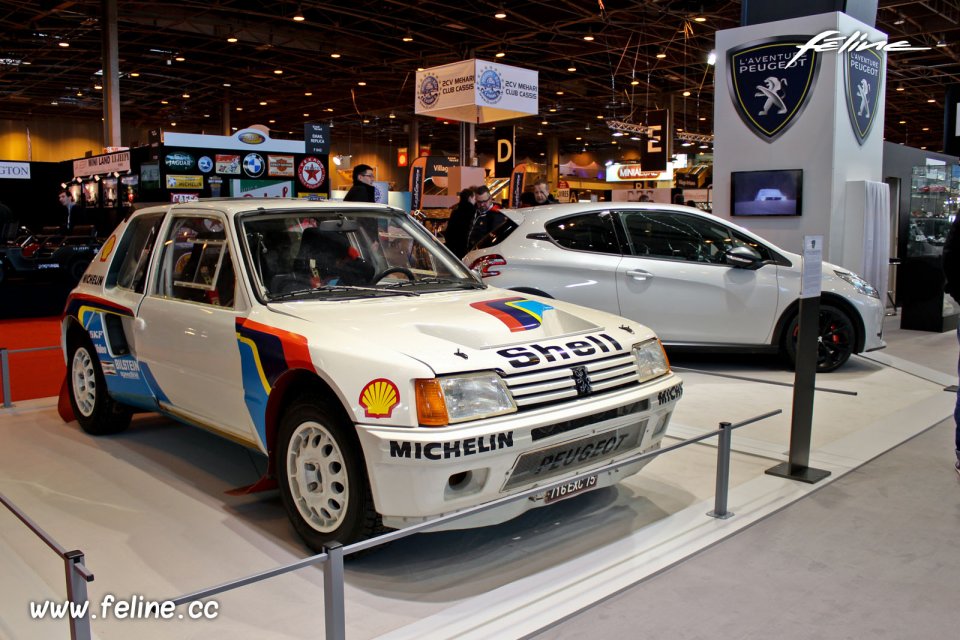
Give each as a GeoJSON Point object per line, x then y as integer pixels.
{"type": "Point", "coordinates": [312, 173]}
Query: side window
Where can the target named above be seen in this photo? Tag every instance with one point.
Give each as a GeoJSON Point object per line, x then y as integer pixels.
{"type": "Point", "coordinates": [129, 267]}
{"type": "Point", "coordinates": [677, 236]}
{"type": "Point", "coordinates": [195, 264]}
{"type": "Point", "coordinates": [586, 232]}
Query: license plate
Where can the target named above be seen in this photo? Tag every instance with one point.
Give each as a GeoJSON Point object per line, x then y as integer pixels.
{"type": "Point", "coordinates": [570, 489]}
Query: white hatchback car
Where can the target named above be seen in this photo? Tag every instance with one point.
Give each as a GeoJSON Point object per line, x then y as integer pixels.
{"type": "Point", "coordinates": [386, 383]}
{"type": "Point", "coordinates": [700, 282]}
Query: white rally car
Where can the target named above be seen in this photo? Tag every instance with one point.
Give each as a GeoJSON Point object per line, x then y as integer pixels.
{"type": "Point", "coordinates": [386, 384]}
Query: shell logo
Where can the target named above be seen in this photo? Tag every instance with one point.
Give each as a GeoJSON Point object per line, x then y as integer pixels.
{"type": "Point", "coordinates": [107, 248]}
{"type": "Point", "coordinates": [379, 398]}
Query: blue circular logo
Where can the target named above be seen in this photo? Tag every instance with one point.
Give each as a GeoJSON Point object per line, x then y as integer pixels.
{"type": "Point", "coordinates": [490, 86]}
{"type": "Point", "coordinates": [429, 91]}
{"type": "Point", "coordinates": [205, 164]}
{"type": "Point", "coordinates": [253, 165]}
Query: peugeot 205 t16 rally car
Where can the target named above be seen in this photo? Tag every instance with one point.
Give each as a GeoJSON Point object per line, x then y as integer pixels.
{"type": "Point", "coordinates": [386, 384]}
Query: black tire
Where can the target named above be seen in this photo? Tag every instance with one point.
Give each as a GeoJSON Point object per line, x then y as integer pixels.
{"type": "Point", "coordinates": [322, 476]}
{"type": "Point", "coordinates": [97, 413]}
{"type": "Point", "coordinates": [836, 337]}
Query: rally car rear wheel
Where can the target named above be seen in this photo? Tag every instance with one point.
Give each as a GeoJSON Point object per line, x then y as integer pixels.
{"type": "Point", "coordinates": [96, 412]}
{"type": "Point", "coordinates": [323, 481]}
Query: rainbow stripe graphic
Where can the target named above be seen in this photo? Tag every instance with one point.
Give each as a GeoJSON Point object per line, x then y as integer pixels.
{"type": "Point", "coordinates": [519, 314]}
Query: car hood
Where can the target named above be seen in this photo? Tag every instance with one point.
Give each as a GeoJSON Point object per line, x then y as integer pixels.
{"type": "Point", "coordinates": [458, 331]}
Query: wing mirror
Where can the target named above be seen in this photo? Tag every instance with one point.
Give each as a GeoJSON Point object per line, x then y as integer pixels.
{"type": "Point", "coordinates": [743, 257]}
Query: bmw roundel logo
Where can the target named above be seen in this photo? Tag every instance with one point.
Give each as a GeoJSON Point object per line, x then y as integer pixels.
{"type": "Point", "coordinates": [205, 164]}
{"type": "Point", "coordinates": [253, 165]}
{"type": "Point", "coordinates": [429, 91]}
{"type": "Point", "coordinates": [490, 86]}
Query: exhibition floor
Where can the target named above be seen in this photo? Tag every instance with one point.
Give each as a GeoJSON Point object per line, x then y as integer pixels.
{"type": "Point", "coordinates": [148, 508]}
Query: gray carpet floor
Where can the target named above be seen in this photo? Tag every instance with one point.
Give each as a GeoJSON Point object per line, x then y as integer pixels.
{"type": "Point", "coordinates": [875, 554]}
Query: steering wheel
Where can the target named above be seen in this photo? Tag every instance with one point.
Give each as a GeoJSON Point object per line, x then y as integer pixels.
{"type": "Point", "coordinates": [386, 272]}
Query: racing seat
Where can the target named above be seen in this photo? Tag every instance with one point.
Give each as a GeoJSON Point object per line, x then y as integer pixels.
{"type": "Point", "coordinates": [329, 256]}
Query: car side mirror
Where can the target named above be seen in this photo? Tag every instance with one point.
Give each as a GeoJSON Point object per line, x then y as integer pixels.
{"type": "Point", "coordinates": [744, 258]}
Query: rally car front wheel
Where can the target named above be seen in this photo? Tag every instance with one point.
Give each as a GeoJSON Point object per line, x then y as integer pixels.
{"type": "Point", "coordinates": [323, 481]}
{"type": "Point", "coordinates": [96, 412]}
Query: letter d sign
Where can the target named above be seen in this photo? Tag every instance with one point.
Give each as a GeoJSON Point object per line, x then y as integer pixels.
{"type": "Point", "coordinates": [505, 148]}
{"type": "Point", "coordinates": [504, 151]}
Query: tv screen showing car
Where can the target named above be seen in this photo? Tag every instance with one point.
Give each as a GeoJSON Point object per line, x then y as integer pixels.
{"type": "Point", "coordinates": [766, 193]}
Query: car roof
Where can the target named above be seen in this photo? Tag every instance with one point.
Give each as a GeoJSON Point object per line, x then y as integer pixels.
{"type": "Point", "coordinates": [234, 206]}
{"type": "Point", "coordinates": [547, 212]}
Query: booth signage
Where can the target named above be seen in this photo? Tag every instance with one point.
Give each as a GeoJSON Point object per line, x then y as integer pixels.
{"type": "Point", "coordinates": [228, 164]}
{"type": "Point", "coordinates": [402, 157]}
{"type": "Point", "coordinates": [179, 160]}
{"type": "Point", "coordinates": [770, 83]}
{"type": "Point", "coordinates": [653, 154]}
{"type": "Point", "coordinates": [630, 173]}
{"type": "Point", "coordinates": [477, 91]}
{"type": "Point", "coordinates": [205, 164]}
{"type": "Point", "coordinates": [253, 165]}
{"type": "Point", "coordinates": [316, 137]}
{"type": "Point", "coordinates": [15, 170]}
{"type": "Point", "coordinates": [311, 172]}
{"type": "Point", "coordinates": [505, 152]}
{"type": "Point", "coordinates": [280, 166]}
{"type": "Point", "coordinates": [184, 182]}
{"type": "Point", "coordinates": [178, 198]}
{"type": "Point", "coordinates": [262, 188]}
{"type": "Point", "coordinates": [863, 72]}
{"type": "Point", "coordinates": [102, 164]}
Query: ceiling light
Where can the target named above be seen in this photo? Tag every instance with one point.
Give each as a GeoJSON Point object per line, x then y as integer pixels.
{"type": "Point", "coordinates": [308, 93]}
{"type": "Point", "coordinates": [712, 58]}
{"type": "Point", "coordinates": [330, 109]}
{"type": "Point", "coordinates": [572, 67]}
{"type": "Point", "coordinates": [661, 55]}
{"type": "Point", "coordinates": [634, 82]}
{"type": "Point", "coordinates": [279, 72]}
{"type": "Point", "coordinates": [263, 103]}
{"type": "Point", "coordinates": [599, 117]}
{"type": "Point", "coordinates": [232, 39]}
{"type": "Point", "coordinates": [941, 42]}
{"type": "Point", "coordinates": [334, 55]}
{"type": "Point", "coordinates": [543, 122]}
{"type": "Point", "coordinates": [226, 84]}
{"type": "Point", "coordinates": [903, 122]}
{"type": "Point", "coordinates": [361, 84]}
{"type": "Point", "coordinates": [134, 75]}
{"type": "Point", "coordinates": [687, 144]}
{"type": "Point", "coordinates": [900, 88]}
{"type": "Point", "coordinates": [686, 94]}
{"type": "Point", "coordinates": [420, 68]}
{"type": "Point", "coordinates": [392, 115]}
{"type": "Point", "coordinates": [499, 54]}
{"type": "Point", "coordinates": [408, 36]}
{"type": "Point", "coordinates": [272, 121]}
{"type": "Point", "coordinates": [79, 94]}
{"type": "Point", "coordinates": [63, 44]}
{"type": "Point", "coordinates": [98, 86]}
{"type": "Point", "coordinates": [298, 16]}
{"type": "Point", "coordinates": [704, 146]}
{"type": "Point", "coordinates": [539, 133]}
{"type": "Point", "coordinates": [54, 102]}
{"type": "Point", "coordinates": [185, 95]}
{"type": "Point", "coordinates": [899, 20]}
{"type": "Point", "coordinates": [931, 100]}
{"type": "Point", "coordinates": [500, 14]}
{"type": "Point", "coordinates": [559, 93]}
{"type": "Point", "coordinates": [173, 124]}
{"type": "Point", "coordinates": [239, 108]}
{"type": "Point", "coordinates": [589, 36]}
{"type": "Point", "coordinates": [207, 115]}
{"type": "Point", "coordinates": [306, 115]}
{"type": "Point", "coordinates": [553, 109]}
{"type": "Point", "coordinates": [703, 118]}
{"type": "Point", "coordinates": [579, 138]}
{"type": "Point", "coordinates": [180, 59]}
{"type": "Point", "coordinates": [366, 121]}
{"type": "Point", "coordinates": [699, 19]}
{"type": "Point", "coordinates": [926, 129]}
{"type": "Point", "coordinates": [617, 134]}
{"type": "Point", "coordinates": [164, 102]}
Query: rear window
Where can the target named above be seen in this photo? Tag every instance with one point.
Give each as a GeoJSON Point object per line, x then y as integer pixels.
{"type": "Point", "coordinates": [591, 232]}
{"type": "Point", "coordinates": [129, 267]}
{"type": "Point", "coordinates": [497, 236]}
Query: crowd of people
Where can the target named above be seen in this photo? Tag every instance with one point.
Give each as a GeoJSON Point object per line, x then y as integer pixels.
{"type": "Point", "coordinates": [476, 214]}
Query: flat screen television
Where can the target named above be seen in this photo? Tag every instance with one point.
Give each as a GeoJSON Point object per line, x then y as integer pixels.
{"type": "Point", "coordinates": [776, 192]}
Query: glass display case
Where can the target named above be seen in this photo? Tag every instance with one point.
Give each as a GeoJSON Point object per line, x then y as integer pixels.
{"type": "Point", "coordinates": [934, 197]}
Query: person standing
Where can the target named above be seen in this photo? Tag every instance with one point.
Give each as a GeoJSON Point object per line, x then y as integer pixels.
{"type": "Point", "coordinates": [541, 193]}
{"type": "Point", "coordinates": [362, 189]}
{"type": "Point", "coordinates": [951, 269]}
{"type": "Point", "coordinates": [461, 219]}
{"type": "Point", "coordinates": [487, 219]}
{"type": "Point", "coordinates": [66, 199]}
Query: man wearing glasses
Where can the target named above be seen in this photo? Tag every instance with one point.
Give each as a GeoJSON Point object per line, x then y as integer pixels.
{"type": "Point", "coordinates": [488, 216]}
{"type": "Point", "coordinates": [362, 189]}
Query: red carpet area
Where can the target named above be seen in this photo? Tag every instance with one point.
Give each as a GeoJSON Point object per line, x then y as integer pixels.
{"type": "Point", "coordinates": [34, 374]}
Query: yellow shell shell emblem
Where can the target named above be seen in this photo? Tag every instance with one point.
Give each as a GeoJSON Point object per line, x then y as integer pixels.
{"type": "Point", "coordinates": [107, 248]}
{"type": "Point", "coordinates": [379, 398]}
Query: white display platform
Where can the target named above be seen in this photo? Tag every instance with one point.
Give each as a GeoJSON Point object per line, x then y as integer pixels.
{"type": "Point", "coordinates": [148, 508]}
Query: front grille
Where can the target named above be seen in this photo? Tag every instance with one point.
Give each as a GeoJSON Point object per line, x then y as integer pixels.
{"type": "Point", "coordinates": [543, 387]}
{"type": "Point", "coordinates": [569, 425]}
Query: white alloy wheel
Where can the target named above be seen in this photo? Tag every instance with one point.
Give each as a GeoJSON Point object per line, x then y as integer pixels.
{"type": "Point", "coordinates": [84, 380]}
{"type": "Point", "coordinates": [317, 476]}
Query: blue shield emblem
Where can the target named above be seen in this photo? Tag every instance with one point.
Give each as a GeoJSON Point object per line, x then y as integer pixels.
{"type": "Point", "coordinates": [768, 94]}
{"type": "Point", "coordinates": [864, 72]}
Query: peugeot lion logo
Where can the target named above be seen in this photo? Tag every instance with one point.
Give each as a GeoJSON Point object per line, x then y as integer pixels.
{"type": "Point", "coordinates": [581, 381]}
{"type": "Point", "coordinates": [770, 83]}
{"type": "Point", "coordinates": [863, 72]}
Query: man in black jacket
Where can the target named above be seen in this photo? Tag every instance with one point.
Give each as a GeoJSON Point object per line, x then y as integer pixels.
{"type": "Point", "coordinates": [951, 269]}
{"type": "Point", "coordinates": [362, 189]}
{"type": "Point", "coordinates": [541, 193]}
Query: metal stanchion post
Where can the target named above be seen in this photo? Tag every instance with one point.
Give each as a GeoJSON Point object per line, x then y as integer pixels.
{"type": "Point", "coordinates": [77, 595]}
{"type": "Point", "coordinates": [723, 473]}
{"type": "Point", "coordinates": [333, 602]}
{"type": "Point", "coordinates": [5, 374]}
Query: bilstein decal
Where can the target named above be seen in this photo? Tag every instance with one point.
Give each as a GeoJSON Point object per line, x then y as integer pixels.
{"type": "Point", "coordinates": [451, 449]}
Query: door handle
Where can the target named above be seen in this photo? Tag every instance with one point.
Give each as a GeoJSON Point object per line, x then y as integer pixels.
{"type": "Point", "coordinates": [639, 274]}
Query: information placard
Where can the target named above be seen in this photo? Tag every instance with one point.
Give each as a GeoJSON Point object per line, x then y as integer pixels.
{"type": "Point", "coordinates": [810, 278]}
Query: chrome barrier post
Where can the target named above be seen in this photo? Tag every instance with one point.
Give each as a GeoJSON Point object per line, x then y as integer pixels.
{"type": "Point", "coordinates": [333, 602]}
{"type": "Point", "coordinates": [77, 595]}
{"type": "Point", "coordinates": [723, 473]}
{"type": "Point", "coordinates": [5, 376]}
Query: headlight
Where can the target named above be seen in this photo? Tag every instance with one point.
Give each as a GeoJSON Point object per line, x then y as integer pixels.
{"type": "Point", "coordinates": [651, 360]}
{"type": "Point", "coordinates": [858, 283]}
{"type": "Point", "coordinates": [446, 400]}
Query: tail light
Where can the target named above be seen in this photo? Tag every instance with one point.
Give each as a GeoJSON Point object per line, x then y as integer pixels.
{"type": "Point", "coordinates": [483, 264]}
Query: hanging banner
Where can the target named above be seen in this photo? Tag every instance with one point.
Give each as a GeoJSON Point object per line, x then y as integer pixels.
{"type": "Point", "coordinates": [417, 170]}
{"type": "Point", "coordinates": [402, 158]}
{"type": "Point", "coordinates": [477, 91]}
{"type": "Point", "coordinates": [863, 71]}
{"type": "Point", "coordinates": [505, 152]}
{"type": "Point", "coordinates": [102, 164]}
{"type": "Point", "coordinates": [316, 138]}
{"type": "Point", "coordinates": [656, 150]}
{"type": "Point", "coordinates": [517, 178]}
{"type": "Point", "coordinates": [15, 170]}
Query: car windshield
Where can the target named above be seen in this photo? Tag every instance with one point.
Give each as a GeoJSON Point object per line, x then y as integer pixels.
{"type": "Point", "coordinates": [326, 253]}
